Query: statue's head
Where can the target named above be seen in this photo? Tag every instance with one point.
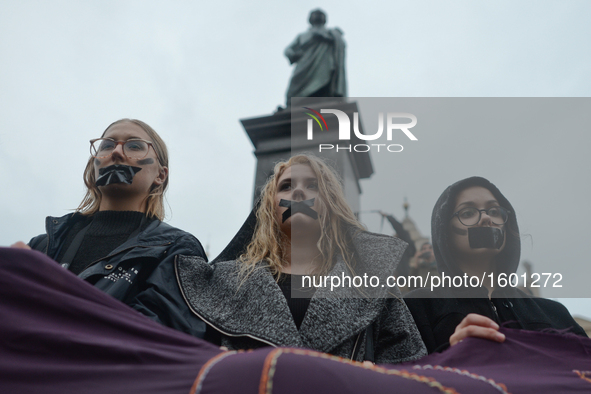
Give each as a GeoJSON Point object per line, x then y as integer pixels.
{"type": "Point", "coordinates": [317, 17]}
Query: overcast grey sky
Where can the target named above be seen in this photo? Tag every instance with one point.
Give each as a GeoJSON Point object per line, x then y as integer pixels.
{"type": "Point", "coordinates": [192, 69]}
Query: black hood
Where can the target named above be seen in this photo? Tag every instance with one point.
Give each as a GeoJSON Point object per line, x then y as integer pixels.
{"type": "Point", "coordinates": [239, 243]}
{"type": "Point", "coordinates": [507, 260]}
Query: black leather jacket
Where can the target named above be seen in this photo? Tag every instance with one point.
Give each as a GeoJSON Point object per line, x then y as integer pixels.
{"type": "Point", "coordinates": [140, 272]}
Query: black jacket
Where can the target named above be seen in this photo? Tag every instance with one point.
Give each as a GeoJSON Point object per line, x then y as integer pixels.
{"type": "Point", "coordinates": [139, 272]}
{"type": "Point", "coordinates": [437, 317]}
{"type": "Point", "coordinates": [438, 313]}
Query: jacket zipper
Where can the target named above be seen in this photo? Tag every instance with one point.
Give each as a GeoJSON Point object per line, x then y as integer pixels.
{"type": "Point", "coordinates": [121, 251]}
{"type": "Point", "coordinates": [49, 227]}
{"type": "Point", "coordinates": [353, 355]}
{"type": "Point", "coordinates": [236, 335]}
{"type": "Point", "coordinates": [208, 322]}
{"type": "Point", "coordinates": [48, 242]}
{"type": "Point", "coordinates": [494, 308]}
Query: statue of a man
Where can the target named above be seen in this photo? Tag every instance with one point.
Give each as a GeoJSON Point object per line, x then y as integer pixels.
{"type": "Point", "coordinates": [320, 57]}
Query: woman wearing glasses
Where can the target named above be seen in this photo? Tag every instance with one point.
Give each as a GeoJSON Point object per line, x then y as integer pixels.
{"type": "Point", "coordinates": [474, 230]}
{"type": "Point", "coordinates": [116, 239]}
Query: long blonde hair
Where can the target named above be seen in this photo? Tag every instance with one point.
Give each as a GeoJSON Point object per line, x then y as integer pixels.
{"type": "Point", "coordinates": [267, 242]}
{"type": "Point", "coordinates": [154, 203]}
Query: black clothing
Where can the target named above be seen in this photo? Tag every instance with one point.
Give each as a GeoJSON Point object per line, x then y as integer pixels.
{"type": "Point", "coordinates": [438, 313]}
{"type": "Point", "coordinates": [298, 305]}
{"type": "Point", "coordinates": [438, 317]}
{"type": "Point", "coordinates": [139, 272]}
{"type": "Point", "coordinates": [106, 231]}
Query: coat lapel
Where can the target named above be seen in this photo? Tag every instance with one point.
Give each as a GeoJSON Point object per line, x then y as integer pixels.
{"type": "Point", "coordinates": [257, 307]}
{"type": "Point", "coordinates": [334, 316]}
{"type": "Point", "coordinates": [254, 308]}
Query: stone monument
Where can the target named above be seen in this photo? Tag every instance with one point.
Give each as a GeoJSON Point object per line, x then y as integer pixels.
{"type": "Point", "coordinates": [319, 54]}
{"type": "Point", "coordinates": [320, 73]}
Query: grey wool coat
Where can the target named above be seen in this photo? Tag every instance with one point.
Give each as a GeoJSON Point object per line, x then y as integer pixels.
{"type": "Point", "coordinates": [252, 313]}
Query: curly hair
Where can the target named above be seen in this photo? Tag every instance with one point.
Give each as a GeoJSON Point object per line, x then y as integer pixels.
{"type": "Point", "coordinates": [268, 241]}
{"type": "Point", "coordinates": [154, 203]}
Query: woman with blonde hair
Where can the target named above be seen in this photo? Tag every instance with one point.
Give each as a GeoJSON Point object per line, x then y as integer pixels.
{"type": "Point", "coordinates": [116, 239]}
{"type": "Point", "coordinates": [274, 283]}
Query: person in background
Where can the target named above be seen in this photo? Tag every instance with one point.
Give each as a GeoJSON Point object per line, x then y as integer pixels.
{"type": "Point", "coordinates": [116, 239]}
{"type": "Point", "coordinates": [423, 263]}
{"type": "Point", "coordinates": [403, 267]}
{"type": "Point", "coordinates": [474, 231]}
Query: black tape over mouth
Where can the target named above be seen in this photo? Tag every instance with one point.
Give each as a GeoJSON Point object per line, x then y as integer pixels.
{"type": "Point", "coordinates": [294, 207]}
{"type": "Point", "coordinates": [486, 237]}
{"type": "Point", "coordinates": [117, 173]}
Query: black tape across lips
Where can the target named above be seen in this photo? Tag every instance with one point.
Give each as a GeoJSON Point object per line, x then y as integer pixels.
{"type": "Point", "coordinates": [485, 237]}
{"type": "Point", "coordinates": [117, 173]}
{"type": "Point", "coordinates": [294, 207]}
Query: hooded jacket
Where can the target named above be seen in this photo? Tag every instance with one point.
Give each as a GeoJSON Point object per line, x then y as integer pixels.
{"type": "Point", "coordinates": [438, 313]}
{"type": "Point", "coordinates": [253, 312]}
{"type": "Point", "coordinates": [139, 272]}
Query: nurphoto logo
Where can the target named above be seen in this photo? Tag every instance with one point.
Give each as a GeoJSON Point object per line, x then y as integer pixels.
{"type": "Point", "coordinates": [345, 130]}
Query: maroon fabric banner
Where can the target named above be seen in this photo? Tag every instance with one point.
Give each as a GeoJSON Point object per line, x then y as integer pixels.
{"type": "Point", "coordinates": [528, 362]}
{"type": "Point", "coordinates": [59, 335]}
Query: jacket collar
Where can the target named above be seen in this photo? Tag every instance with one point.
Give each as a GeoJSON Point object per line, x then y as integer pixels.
{"type": "Point", "coordinates": [156, 233]}
{"type": "Point", "coordinates": [57, 230]}
{"type": "Point", "coordinates": [257, 308]}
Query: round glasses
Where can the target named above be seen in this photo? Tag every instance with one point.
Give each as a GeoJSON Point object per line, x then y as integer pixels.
{"type": "Point", "coordinates": [134, 149]}
{"type": "Point", "coordinates": [470, 216]}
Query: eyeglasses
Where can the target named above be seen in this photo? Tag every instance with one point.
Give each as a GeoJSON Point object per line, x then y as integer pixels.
{"type": "Point", "coordinates": [470, 216]}
{"type": "Point", "coordinates": [135, 149]}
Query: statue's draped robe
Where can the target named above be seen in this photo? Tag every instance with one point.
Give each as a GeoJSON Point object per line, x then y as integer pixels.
{"type": "Point", "coordinates": [320, 57]}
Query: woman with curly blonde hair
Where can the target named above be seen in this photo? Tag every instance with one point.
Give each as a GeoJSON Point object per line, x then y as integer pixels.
{"type": "Point", "coordinates": [272, 284]}
{"type": "Point", "coordinates": [271, 242]}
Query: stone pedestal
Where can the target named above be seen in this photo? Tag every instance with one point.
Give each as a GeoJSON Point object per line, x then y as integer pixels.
{"type": "Point", "coordinates": [274, 141]}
